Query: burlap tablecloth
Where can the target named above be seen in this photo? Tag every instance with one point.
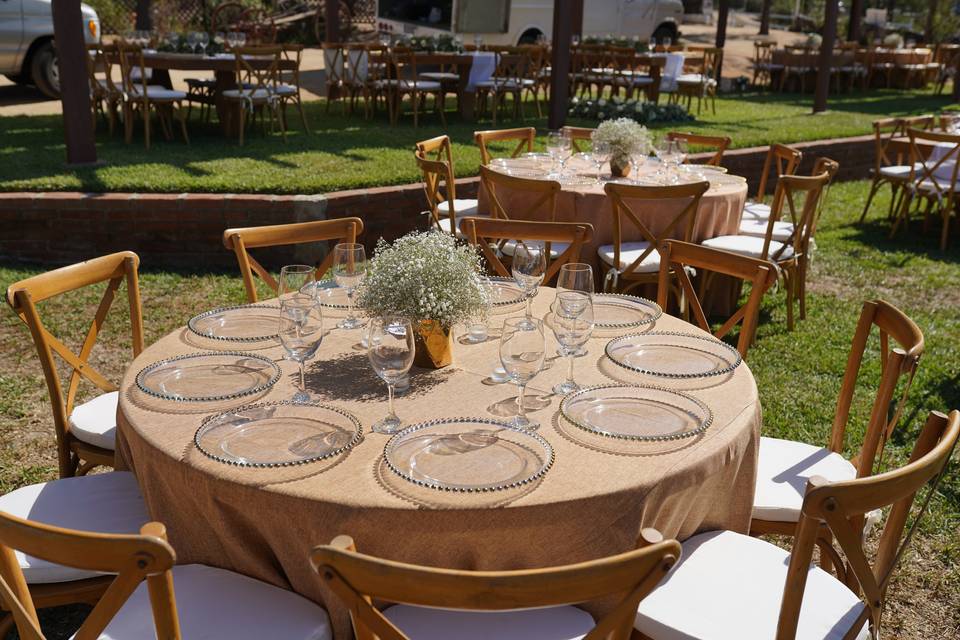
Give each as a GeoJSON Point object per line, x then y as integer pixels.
{"type": "Point", "coordinates": [591, 503]}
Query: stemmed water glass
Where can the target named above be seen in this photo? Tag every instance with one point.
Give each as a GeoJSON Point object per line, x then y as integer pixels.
{"type": "Point", "coordinates": [575, 276]}
{"type": "Point", "coordinates": [666, 152]}
{"type": "Point", "coordinates": [301, 331]}
{"type": "Point", "coordinates": [390, 348]}
{"type": "Point", "coordinates": [231, 39]}
{"type": "Point", "coordinates": [193, 39]}
{"type": "Point", "coordinates": [572, 327]}
{"type": "Point", "coordinates": [297, 280]}
{"type": "Point", "coordinates": [601, 155]}
{"type": "Point", "coordinates": [522, 353]}
{"type": "Point", "coordinates": [204, 42]}
{"type": "Point", "coordinates": [529, 268]}
{"type": "Point", "coordinates": [349, 269]}
{"type": "Point", "coordinates": [557, 144]}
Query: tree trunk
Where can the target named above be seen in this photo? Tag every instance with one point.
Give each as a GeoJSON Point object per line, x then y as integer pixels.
{"type": "Point", "coordinates": [722, 14]}
{"type": "Point", "coordinates": [826, 55]}
{"type": "Point", "coordinates": [564, 13]}
{"type": "Point", "coordinates": [856, 16]}
{"type": "Point", "coordinates": [765, 18]}
{"type": "Point", "coordinates": [931, 17]}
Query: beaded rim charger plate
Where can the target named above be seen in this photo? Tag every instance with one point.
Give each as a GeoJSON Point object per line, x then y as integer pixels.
{"type": "Point", "coordinates": [634, 412]}
{"type": "Point", "coordinates": [507, 291]}
{"type": "Point", "coordinates": [277, 434]}
{"type": "Point", "coordinates": [242, 323]}
{"type": "Point", "coordinates": [208, 377]}
{"type": "Point", "coordinates": [617, 311]}
{"type": "Point", "coordinates": [468, 455]}
{"type": "Point", "coordinates": [329, 294]}
{"type": "Point", "coordinates": [671, 354]}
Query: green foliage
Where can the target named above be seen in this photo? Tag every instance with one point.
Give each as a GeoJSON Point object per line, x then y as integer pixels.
{"type": "Point", "coordinates": [640, 110]}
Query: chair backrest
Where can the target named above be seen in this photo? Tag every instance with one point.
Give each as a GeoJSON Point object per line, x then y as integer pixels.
{"type": "Point", "coordinates": [679, 222]}
{"type": "Point", "coordinates": [434, 157]}
{"type": "Point", "coordinates": [800, 196]}
{"type": "Point", "coordinates": [96, 60]}
{"type": "Point", "coordinates": [488, 233]}
{"type": "Point", "coordinates": [133, 558]}
{"type": "Point", "coordinates": [357, 68]}
{"type": "Point", "coordinates": [712, 60]}
{"type": "Point", "coordinates": [625, 578]}
{"type": "Point", "coordinates": [241, 240]}
{"type": "Point", "coordinates": [763, 51]}
{"type": "Point", "coordinates": [935, 176]}
{"type": "Point", "coordinates": [830, 167]}
{"type": "Point", "coordinates": [762, 274]}
{"type": "Point", "coordinates": [538, 195]}
{"type": "Point", "coordinates": [130, 57]}
{"type": "Point", "coordinates": [717, 144]}
{"type": "Point", "coordinates": [898, 365]}
{"type": "Point", "coordinates": [783, 161]}
{"type": "Point", "coordinates": [292, 52]}
{"type": "Point", "coordinates": [333, 64]}
{"type": "Point", "coordinates": [523, 136]}
{"type": "Point", "coordinates": [578, 135]}
{"type": "Point", "coordinates": [886, 132]}
{"type": "Point", "coordinates": [841, 506]}
{"type": "Point", "coordinates": [258, 77]}
{"type": "Point", "coordinates": [25, 295]}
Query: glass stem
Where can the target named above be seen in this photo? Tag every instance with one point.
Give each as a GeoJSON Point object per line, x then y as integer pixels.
{"type": "Point", "coordinates": [303, 384]}
{"type": "Point", "coordinates": [521, 411]}
{"type": "Point", "coordinates": [529, 306]}
{"type": "Point", "coordinates": [350, 305]}
{"type": "Point", "coordinates": [393, 414]}
{"type": "Point", "coordinates": [570, 359]}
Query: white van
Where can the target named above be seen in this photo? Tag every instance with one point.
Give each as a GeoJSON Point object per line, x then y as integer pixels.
{"type": "Point", "coordinates": [27, 55]}
{"type": "Point", "coordinates": [511, 22]}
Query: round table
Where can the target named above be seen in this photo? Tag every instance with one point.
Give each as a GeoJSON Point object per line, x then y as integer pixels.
{"type": "Point", "coordinates": [592, 503]}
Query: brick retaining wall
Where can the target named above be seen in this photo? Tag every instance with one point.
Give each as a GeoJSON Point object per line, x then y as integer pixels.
{"type": "Point", "coordinates": [184, 230]}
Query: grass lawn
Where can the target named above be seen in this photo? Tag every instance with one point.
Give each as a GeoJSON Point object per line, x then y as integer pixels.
{"type": "Point", "coordinates": [798, 375]}
{"type": "Point", "coordinates": [349, 152]}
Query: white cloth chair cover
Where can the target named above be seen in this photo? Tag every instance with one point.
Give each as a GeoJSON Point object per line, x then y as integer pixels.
{"type": "Point", "coordinates": [484, 64]}
{"type": "Point", "coordinates": [552, 623]}
{"type": "Point", "coordinates": [105, 503]}
{"type": "Point", "coordinates": [95, 421]}
{"type": "Point", "coordinates": [359, 61]}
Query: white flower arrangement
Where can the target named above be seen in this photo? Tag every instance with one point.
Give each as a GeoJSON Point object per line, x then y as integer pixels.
{"type": "Point", "coordinates": [424, 276]}
{"type": "Point", "coordinates": [625, 137]}
{"type": "Point", "coordinates": [814, 40]}
{"type": "Point", "coordinates": [893, 41]}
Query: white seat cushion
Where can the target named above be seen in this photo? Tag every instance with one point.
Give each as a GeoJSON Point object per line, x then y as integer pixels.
{"type": "Point", "coordinates": [445, 223]}
{"type": "Point", "coordinates": [556, 248]}
{"type": "Point", "coordinates": [105, 503]}
{"type": "Point", "coordinates": [749, 246]}
{"type": "Point", "coordinates": [728, 585]}
{"type": "Point", "coordinates": [899, 171]}
{"type": "Point", "coordinates": [461, 207]}
{"type": "Point", "coordinates": [160, 93]}
{"type": "Point", "coordinates": [247, 94]}
{"type": "Point", "coordinates": [782, 474]}
{"type": "Point", "coordinates": [756, 211]}
{"type": "Point", "coordinates": [285, 90]}
{"type": "Point", "coordinates": [412, 85]}
{"type": "Point", "coordinates": [440, 76]}
{"type": "Point", "coordinates": [695, 78]}
{"type": "Point", "coordinates": [553, 623]}
{"type": "Point", "coordinates": [95, 421]}
{"type": "Point", "coordinates": [782, 231]}
{"type": "Point", "coordinates": [215, 604]}
{"type": "Point", "coordinates": [630, 251]}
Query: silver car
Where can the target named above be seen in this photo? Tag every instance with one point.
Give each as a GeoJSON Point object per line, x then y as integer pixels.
{"type": "Point", "coordinates": [27, 54]}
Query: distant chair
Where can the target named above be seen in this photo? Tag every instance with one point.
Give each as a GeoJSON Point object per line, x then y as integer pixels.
{"type": "Point", "coordinates": [288, 90]}
{"type": "Point", "coordinates": [403, 80]}
{"type": "Point", "coordinates": [241, 240]}
{"type": "Point", "coordinates": [335, 69]}
{"type": "Point", "coordinates": [143, 97]}
{"type": "Point", "coordinates": [763, 65]}
{"type": "Point", "coordinates": [578, 135]}
{"type": "Point", "coordinates": [436, 603]}
{"type": "Point", "coordinates": [434, 157]}
{"type": "Point", "coordinates": [257, 88]}
{"type": "Point", "coordinates": [702, 82]}
{"type": "Point", "coordinates": [104, 94]}
{"type": "Point", "coordinates": [889, 155]}
{"type": "Point", "coordinates": [717, 144]}
{"type": "Point", "coordinates": [523, 136]}
{"type": "Point", "coordinates": [510, 78]}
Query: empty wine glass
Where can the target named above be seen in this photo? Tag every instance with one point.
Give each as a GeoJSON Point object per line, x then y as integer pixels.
{"type": "Point", "coordinates": [193, 39]}
{"type": "Point", "coordinates": [241, 38]}
{"type": "Point", "coordinates": [575, 276]}
{"type": "Point", "coordinates": [301, 331]}
{"type": "Point", "coordinates": [296, 280]}
{"type": "Point", "coordinates": [478, 41]}
{"type": "Point", "coordinates": [521, 353]}
{"type": "Point", "coordinates": [529, 266]}
{"type": "Point", "coordinates": [572, 327]}
{"type": "Point", "coordinates": [204, 42]}
{"type": "Point", "coordinates": [349, 269]}
{"type": "Point", "coordinates": [232, 39]}
{"type": "Point", "coordinates": [601, 156]}
{"type": "Point", "coordinates": [390, 350]}
{"type": "Point", "coordinates": [557, 143]}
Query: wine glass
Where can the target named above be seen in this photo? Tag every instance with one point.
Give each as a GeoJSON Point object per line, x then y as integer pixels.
{"type": "Point", "coordinates": [601, 155]}
{"type": "Point", "coordinates": [232, 40]}
{"type": "Point", "coordinates": [390, 350]}
{"type": "Point", "coordinates": [220, 38]}
{"type": "Point", "coordinates": [557, 143]}
{"type": "Point", "coordinates": [349, 269]}
{"type": "Point", "coordinates": [572, 327]}
{"type": "Point", "coordinates": [665, 151]}
{"type": "Point", "coordinates": [241, 38]}
{"type": "Point", "coordinates": [193, 39]}
{"type": "Point", "coordinates": [204, 42]}
{"type": "Point", "coordinates": [529, 266]}
{"type": "Point", "coordinates": [521, 353]}
{"type": "Point", "coordinates": [301, 331]}
{"type": "Point", "coordinates": [638, 159]}
{"type": "Point", "coordinates": [478, 41]}
{"type": "Point", "coordinates": [384, 39]}
{"type": "Point", "coordinates": [297, 280]}
{"type": "Point", "coordinates": [575, 276]}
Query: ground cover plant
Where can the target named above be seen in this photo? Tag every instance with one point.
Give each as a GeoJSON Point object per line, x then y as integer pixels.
{"type": "Point", "coordinates": [798, 375]}
{"type": "Point", "coordinates": [350, 152]}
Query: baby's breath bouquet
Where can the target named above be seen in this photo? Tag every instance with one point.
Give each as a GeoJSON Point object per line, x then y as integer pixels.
{"type": "Point", "coordinates": [625, 138]}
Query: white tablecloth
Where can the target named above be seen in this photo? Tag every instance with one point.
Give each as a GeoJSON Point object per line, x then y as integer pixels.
{"type": "Point", "coordinates": [484, 64]}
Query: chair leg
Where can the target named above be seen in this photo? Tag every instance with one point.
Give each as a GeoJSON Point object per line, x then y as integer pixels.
{"type": "Point", "coordinates": [874, 187]}
{"type": "Point", "coordinates": [789, 276]}
{"type": "Point", "coordinates": [303, 116]}
{"type": "Point", "coordinates": [945, 230]}
{"type": "Point", "coordinates": [802, 286]}
{"type": "Point", "coordinates": [183, 123]}
{"type": "Point", "coordinates": [146, 126]}
{"type": "Point", "coordinates": [243, 122]}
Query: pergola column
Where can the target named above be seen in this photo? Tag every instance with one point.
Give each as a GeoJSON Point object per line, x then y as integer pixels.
{"type": "Point", "coordinates": [74, 87]}
{"type": "Point", "coordinates": [565, 12]}
{"type": "Point", "coordinates": [765, 18]}
{"type": "Point", "coordinates": [722, 13]}
{"type": "Point", "coordinates": [856, 15]}
{"type": "Point", "coordinates": [826, 55]}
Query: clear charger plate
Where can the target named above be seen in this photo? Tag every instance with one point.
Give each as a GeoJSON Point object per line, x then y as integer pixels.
{"type": "Point", "coordinates": [277, 434]}
{"type": "Point", "coordinates": [208, 377]}
{"type": "Point", "coordinates": [506, 291]}
{"type": "Point", "coordinates": [242, 323]}
{"type": "Point", "coordinates": [634, 412]}
{"type": "Point", "coordinates": [331, 296]}
{"type": "Point", "coordinates": [671, 354]}
{"type": "Point", "coordinates": [468, 455]}
{"type": "Point", "coordinates": [617, 311]}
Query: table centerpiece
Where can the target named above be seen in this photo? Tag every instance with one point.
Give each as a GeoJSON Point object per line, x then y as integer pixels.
{"type": "Point", "coordinates": [430, 279]}
{"type": "Point", "coordinates": [626, 138]}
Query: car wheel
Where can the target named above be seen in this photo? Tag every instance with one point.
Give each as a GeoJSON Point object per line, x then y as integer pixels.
{"type": "Point", "coordinates": [665, 31]}
{"type": "Point", "coordinates": [17, 78]}
{"type": "Point", "coordinates": [45, 70]}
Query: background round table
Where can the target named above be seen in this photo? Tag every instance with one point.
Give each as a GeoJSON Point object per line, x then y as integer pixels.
{"type": "Point", "coordinates": [592, 503]}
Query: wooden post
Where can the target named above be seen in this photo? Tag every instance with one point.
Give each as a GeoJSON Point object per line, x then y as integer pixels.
{"type": "Point", "coordinates": [144, 21]}
{"type": "Point", "coordinates": [722, 14]}
{"type": "Point", "coordinates": [577, 18]}
{"type": "Point", "coordinates": [931, 17]}
{"type": "Point", "coordinates": [331, 16]}
{"type": "Point", "coordinates": [856, 16]}
{"type": "Point", "coordinates": [563, 14]}
{"type": "Point", "coordinates": [765, 18]}
{"type": "Point", "coordinates": [74, 87]}
{"type": "Point", "coordinates": [826, 55]}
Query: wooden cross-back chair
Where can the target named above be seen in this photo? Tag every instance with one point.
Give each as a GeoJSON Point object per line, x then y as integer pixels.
{"type": "Point", "coordinates": [523, 136]}
{"type": "Point", "coordinates": [139, 95]}
{"type": "Point", "coordinates": [781, 160]}
{"type": "Point", "coordinates": [241, 240]}
{"type": "Point", "coordinates": [578, 135]}
{"type": "Point", "coordinates": [257, 88]}
{"type": "Point", "coordinates": [901, 346]}
{"type": "Point", "coordinates": [562, 241]}
{"type": "Point", "coordinates": [334, 64]}
{"type": "Point", "coordinates": [75, 455]}
{"type": "Point", "coordinates": [104, 94]}
{"type": "Point", "coordinates": [632, 264]}
{"type": "Point", "coordinates": [932, 180]}
{"type": "Point", "coordinates": [763, 65]}
{"type": "Point", "coordinates": [402, 79]}
{"type": "Point", "coordinates": [625, 578]}
{"type": "Point", "coordinates": [540, 201]}
{"type": "Point", "coordinates": [702, 84]}
{"type": "Point", "coordinates": [889, 155]}
{"type": "Point", "coordinates": [676, 255]}
{"type": "Point", "coordinates": [758, 590]}
{"type": "Point", "coordinates": [290, 91]}
{"type": "Point", "coordinates": [717, 144]}
{"type": "Point", "coordinates": [434, 157]}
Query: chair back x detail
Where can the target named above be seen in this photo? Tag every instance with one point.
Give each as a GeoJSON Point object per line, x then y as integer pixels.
{"type": "Point", "coordinates": [241, 240]}
{"type": "Point", "coordinates": [782, 161]}
{"type": "Point", "coordinates": [357, 579]}
{"type": "Point", "coordinates": [435, 159]}
{"type": "Point", "coordinates": [541, 195]}
{"type": "Point", "coordinates": [524, 137]}
{"type": "Point", "coordinates": [717, 144]}
{"type": "Point", "coordinates": [790, 190]}
{"type": "Point", "coordinates": [24, 296]}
